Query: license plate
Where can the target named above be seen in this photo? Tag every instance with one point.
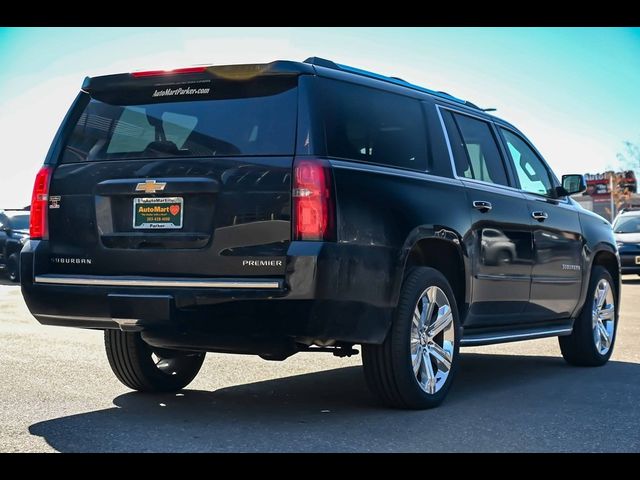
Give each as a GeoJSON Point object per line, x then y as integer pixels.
{"type": "Point", "coordinates": [637, 260]}
{"type": "Point", "coordinates": [157, 213]}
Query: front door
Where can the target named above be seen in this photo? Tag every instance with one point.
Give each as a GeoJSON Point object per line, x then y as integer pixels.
{"type": "Point", "coordinates": [557, 238]}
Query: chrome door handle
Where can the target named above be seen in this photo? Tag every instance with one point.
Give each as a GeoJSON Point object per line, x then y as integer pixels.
{"type": "Point", "coordinates": [540, 216]}
{"type": "Point", "coordinates": [482, 205]}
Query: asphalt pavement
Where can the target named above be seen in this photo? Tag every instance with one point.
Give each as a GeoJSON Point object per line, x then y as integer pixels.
{"type": "Point", "coordinates": [58, 394]}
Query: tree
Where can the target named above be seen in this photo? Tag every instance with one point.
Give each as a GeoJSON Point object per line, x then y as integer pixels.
{"type": "Point", "coordinates": [621, 195]}
{"type": "Point", "coordinates": [629, 159]}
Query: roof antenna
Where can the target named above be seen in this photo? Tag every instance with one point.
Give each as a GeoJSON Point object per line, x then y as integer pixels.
{"type": "Point", "coordinates": [488, 109]}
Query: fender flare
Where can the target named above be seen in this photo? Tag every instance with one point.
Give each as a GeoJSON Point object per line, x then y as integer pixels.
{"type": "Point", "coordinates": [590, 256]}
{"type": "Point", "coordinates": [433, 232]}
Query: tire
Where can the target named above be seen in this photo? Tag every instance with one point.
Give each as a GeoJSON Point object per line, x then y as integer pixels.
{"type": "Point", "coordinates": [581, 348]}
{"type": "Point", "coordinates": [132, 360]}
{"type": "Point", "coordinates": [389, 367]}
{"type": "Point", "coordinates": [13, 267]}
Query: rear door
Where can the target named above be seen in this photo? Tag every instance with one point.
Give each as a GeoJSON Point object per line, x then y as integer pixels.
{"type": "Point", "coordinates": [557, 236]}
{"type": "Point", "coordinates": [499, 243]}
{"type": "Point", "coordinates": [178, 177]}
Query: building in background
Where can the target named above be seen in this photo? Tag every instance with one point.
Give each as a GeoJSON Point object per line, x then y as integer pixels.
{"type": "Point", "coordinates": [598, 199]}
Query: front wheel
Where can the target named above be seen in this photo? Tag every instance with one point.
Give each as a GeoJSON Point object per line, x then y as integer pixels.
{"type": "Point", "coordinates": [591, 342]}
{"type": "Point", "coordinates": [148, 369]}
{"type": "Point", "coordinates": [415, 365]}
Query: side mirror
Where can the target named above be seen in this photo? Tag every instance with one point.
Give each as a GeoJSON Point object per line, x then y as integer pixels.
{"type": "Point", "coordinates": [571, 184]}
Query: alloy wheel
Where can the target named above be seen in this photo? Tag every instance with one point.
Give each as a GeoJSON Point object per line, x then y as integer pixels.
{"type": "Point", "coordinates": [603, 316]}
{"type": "Point", "coordinates": [432, 339]}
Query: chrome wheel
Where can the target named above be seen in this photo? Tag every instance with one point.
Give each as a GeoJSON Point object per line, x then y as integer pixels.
{"type": "Point", "coordinates": [603, 316]}
{"type": "Point", "coordinates": [432, 339]}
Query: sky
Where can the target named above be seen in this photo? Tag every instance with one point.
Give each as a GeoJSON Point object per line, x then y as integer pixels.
{"type": "Point", "coordinates": [575, 92]}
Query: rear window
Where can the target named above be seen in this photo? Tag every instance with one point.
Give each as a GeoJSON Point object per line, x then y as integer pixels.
{"type": "Point", "coordinates": [255, 117]}
{"type": "Point", "coordinates": [373, 126]}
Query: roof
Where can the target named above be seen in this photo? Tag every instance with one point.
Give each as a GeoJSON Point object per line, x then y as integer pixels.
{"type": "Point", "coordinates": [312, 65]}
{"type": "Point", "coordinates": [322, 62]}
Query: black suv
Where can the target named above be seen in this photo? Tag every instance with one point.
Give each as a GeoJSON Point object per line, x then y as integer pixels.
{"type": "Point", "coordinates": [14, 232]}
{"type": "Point", "coordinates": [309, 207]}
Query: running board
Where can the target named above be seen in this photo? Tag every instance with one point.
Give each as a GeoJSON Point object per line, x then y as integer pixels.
{"type": "Point", "coordinates": [472, 339]}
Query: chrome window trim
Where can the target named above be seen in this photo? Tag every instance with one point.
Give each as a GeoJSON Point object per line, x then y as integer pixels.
{"type": "Point", "coordinates": [448, 142]}
{"type": "Point", "coordinates": [106, 281]}
{"type": "Point", "coordinates": [398, 172]}
{"type": "Point", "coordinates": [482, 182]}
{"type": "Point", "coordinates": [541, 333]}
{"type": "Point", "coordinates": [493, 187]}
{"type": "Point", "coordinates": [452, 161]}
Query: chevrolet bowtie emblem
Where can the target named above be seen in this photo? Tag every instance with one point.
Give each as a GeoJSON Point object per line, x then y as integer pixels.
{"type": "Point", "coordinates": [150, 186]}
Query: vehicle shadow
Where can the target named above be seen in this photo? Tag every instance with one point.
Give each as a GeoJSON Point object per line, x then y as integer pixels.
{"type": "Point", "coordinates": [498, 403]}
{"type": "Point", "coordinates": [5, 281]}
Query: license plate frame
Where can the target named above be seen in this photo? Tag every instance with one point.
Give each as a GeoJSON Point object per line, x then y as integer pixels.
{"type": "Point", "coordinates": [158, 219]}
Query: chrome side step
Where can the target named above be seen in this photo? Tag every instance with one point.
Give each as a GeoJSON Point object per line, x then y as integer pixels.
{"type": "Point", "coordinates": [472, 339]}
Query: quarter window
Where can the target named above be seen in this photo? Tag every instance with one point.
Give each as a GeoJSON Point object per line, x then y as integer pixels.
{"type": "Point", "coordinates": [532, 173]}
{"type": "Point", "coordinates": [474, 148]}
{"type": "Point", "coordinates": [373, 126]}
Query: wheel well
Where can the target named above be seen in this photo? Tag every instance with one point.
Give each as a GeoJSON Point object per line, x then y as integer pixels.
{"type": "Point", "coordinates": [608, 260]}
{"type": "Point", "coordinates": [445, 257]}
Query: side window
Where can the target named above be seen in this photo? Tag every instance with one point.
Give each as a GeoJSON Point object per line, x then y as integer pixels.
{"type": "Point", "coordinates": [532, 173]}
{"type": "Point", "coordinates": [474, 148]}
{"type": "Point", "coordinates": [373, 126]}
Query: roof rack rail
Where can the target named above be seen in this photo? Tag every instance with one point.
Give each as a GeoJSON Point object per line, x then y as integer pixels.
{"type": "Point", "coordinates": [323, 62]}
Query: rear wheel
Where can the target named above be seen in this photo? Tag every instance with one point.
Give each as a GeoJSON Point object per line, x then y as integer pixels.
{"type": "Point", "coordinates": [147, 369]}
{"type": "Point", "coordinates": [415, 365]}
{"type": "Point", "coordinates": [593, 336]}
{"type": "Point", "coordinates": [13, 265]}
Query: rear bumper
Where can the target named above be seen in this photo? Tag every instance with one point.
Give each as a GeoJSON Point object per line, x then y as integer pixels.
{"type": "Point", "coordinates": [329, 292]}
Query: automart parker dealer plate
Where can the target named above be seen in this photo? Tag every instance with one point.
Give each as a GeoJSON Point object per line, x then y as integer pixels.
{"type": "Point", "coordinates": [158, 213]}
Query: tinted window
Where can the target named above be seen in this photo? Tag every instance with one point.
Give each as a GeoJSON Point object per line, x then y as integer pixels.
{"type": "Point", "coordinates": [532, 173]}
{"type": "Point", "coordinates": [373, 126]}
{"type": "Point", "coordinates": [475, 151]}
{"type": "Point", "coordinates": [627, 225]}
{"type": "Point", "coordinates": [241, 118]}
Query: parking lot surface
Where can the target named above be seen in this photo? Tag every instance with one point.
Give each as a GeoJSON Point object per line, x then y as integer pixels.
{"type": "Point", "coordinates": [58, 394]}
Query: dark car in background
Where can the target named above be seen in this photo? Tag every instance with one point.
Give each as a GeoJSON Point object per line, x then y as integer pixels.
{"type": "Point", "coordinates": [14, 232]}
{"type": "Point", "coordinates": [626, 228]}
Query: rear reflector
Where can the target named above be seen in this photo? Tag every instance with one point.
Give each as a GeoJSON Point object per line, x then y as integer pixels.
{"type": "Point", "coordinates": [39, 203]}
{"type": "Point", "coordinates": [176, 71]}
{"type": "Point", "coordinates": [313, 206]}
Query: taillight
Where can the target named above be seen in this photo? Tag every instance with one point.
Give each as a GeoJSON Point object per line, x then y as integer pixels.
{"type": "Point", "coordinates": [175, 71]}
{"type": "Point", "coordinates": [39, 203]}
{"type": "Point", "coordinates": [313, 207]}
